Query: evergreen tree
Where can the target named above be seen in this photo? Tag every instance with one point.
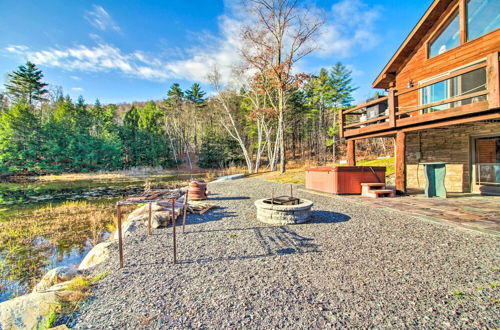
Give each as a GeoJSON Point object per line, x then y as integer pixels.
{"type": "Point", "coordinates": [19, 139]}
{"type": "Point", "coordinates": [341, 82]}
{"type": "Point", "coordinates": [26, 83]}
{"type": "Point", "coordinates": [195, 94]}
{"type": "Point", "coordinates": [4, 104]}
{"type": "Point", "coordinates": [175, 95]}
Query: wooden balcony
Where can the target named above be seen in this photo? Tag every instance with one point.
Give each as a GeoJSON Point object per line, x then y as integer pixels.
{"type": "Point", "coordinates": [405, 113]}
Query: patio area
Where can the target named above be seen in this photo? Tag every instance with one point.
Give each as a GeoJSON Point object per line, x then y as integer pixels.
{"type": "Point", "coordinates": [351, 265]}
{"type": "Point", "coordinates": [472, 211]}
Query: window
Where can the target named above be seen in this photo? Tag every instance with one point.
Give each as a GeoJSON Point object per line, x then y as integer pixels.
{"type": "Point", "coordinates": [449, 37]}
{"type": "Point", "coordinates": [467, 83]}
{"type": "Point", "coordinates": [483, 16]}
{"type": "Point", "coordinates": [435, 93]}
{"type": "Point", "coordinates": [488, 160]}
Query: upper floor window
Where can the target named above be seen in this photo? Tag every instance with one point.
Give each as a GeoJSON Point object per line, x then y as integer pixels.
{"type": "Point", "coordinates": [468, 83]}
{"type": "Point", "coordinates": [483, 16]}
{"type": "Point", "coordinates": [448, 38]}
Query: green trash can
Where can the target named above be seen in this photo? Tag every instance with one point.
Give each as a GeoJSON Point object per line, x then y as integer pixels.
{"type": "Point", "coordinates": [435, 173]}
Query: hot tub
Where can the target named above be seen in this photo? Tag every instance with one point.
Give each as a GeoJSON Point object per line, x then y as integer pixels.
{"type": "Point", "coordinates": [343, 179]}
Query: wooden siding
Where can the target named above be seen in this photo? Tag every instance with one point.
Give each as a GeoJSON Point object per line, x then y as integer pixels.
{"type": "Point", "coordinates": [419, 67]}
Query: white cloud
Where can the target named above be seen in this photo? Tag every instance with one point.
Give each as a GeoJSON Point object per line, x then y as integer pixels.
{"type": "Point", "coordinates": [75, 78]}
{"type": "Point", "coordinates": [77, 89]}
{"type": "Point", "coordinates": [349, 27]}
{"type": "Point", "coordinates": [16, 49]}
{"type": "Point", "coordinates": [222, 52]}
{"type": "Point", "coordinates": [101, 19]}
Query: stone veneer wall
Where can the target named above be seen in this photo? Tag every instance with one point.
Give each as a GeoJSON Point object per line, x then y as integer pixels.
{"type": "Point", "coordinates": [450, 144]}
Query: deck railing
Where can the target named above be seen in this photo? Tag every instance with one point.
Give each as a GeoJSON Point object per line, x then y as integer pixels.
{"type": "Point", "coordinates": [404, 107]}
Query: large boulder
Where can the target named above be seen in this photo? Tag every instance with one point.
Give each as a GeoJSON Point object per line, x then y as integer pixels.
{"type": "Point", "coordinates": [128, 227]}
{"type": "Point", "coordinates": [143, 211]}
{"type": "Point", "coordinates": [160, 215]}
{"type": "Point", "coordinates": [96, 255]}
{"type": "Point", "coordinates": [29, 311]}
{"type": "Point", "coordinates": [54, 276]}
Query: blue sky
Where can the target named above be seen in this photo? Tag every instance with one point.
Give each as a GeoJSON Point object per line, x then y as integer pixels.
{"type": "Point", "coordinates": [123, 51]}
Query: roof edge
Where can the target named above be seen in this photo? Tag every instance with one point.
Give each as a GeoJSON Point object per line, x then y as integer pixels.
{"type": "Point", "coordinates": [382, 75]}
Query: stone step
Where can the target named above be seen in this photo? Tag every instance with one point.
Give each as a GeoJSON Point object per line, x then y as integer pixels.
{"type": "Point", "coordinates": [379, 193]}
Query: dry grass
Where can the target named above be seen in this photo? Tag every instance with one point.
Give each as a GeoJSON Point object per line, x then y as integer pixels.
{"type": "Point", "coordinates": [292, 175]}
{"type": "Point", "coordinates": [125, 174]}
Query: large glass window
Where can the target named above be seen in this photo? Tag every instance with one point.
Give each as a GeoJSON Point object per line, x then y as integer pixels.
{"type": "Point", "coordinates": [467, 83]}
{"type": "Point", "coordinates": [483, 16]}
{"type": "Point", "coordinates": [449, 37]}
{"type": "Point", "coordinates": [435, 93]}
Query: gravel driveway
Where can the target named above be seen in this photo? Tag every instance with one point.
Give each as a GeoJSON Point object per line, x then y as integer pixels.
{"type": "Point", "coordinates": [351, 266]}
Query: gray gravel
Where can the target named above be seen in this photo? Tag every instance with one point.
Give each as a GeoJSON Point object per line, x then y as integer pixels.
{"type": "Point", "coordinates": [351, 266]}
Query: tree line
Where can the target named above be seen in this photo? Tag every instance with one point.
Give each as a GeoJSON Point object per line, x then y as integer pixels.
{"type": "Point", "coordinates": [42, 131]}
{"type": "Point", "coordinates": [262, 116]}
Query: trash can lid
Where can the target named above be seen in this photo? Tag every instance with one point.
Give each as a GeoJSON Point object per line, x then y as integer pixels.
{"type": "Point", "coordinates": [433, 163]}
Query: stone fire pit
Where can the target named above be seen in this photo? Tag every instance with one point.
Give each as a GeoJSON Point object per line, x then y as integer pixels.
{"type": "Point", "coordinates": [283, 214]}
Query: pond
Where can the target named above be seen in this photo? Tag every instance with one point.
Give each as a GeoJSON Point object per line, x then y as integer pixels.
{"type": "Point", "coordinates": [48, 222]}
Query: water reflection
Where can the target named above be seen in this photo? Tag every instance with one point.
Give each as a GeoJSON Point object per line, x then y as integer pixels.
{"type": "Point", "coordinates": [44, 225]}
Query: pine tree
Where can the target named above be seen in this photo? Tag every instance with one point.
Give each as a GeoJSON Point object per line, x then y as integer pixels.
{"type": "Point", "coordinates": [341, 82]}
{"type": "Point", "coordinates": [195, 94]}
{"type": "Point", "coordinates": [26, 84]}
{"type": "Point", "coordinates": [175, 95]}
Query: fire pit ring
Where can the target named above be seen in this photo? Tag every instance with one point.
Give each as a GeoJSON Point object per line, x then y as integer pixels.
{"type": "Point", "coordinates": [283, 214]}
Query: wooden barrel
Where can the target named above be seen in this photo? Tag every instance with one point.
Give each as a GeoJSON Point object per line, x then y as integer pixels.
{"type": "Point", "coordinates": [197, 190]}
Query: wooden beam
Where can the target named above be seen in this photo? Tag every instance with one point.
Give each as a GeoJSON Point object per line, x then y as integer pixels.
{"type": "Point", "coordinates": [380, 134]}
{"type": "Point", "coordinates": [463, 21]}
{"type": "Point", "coordinates": [493, 79]}
{"type": "Point", "coordinates": [351, 152]}
{"type": "Point", "coordinates": [443, 114]}
{"type": "Point", "coordinates": [400, 147]}
{"type": "Point", "coordinates": [367, 129]}
{"type": "Point", "coordinates": [489, 116]}
{"type": "Point", "coordinates": [392, 102]}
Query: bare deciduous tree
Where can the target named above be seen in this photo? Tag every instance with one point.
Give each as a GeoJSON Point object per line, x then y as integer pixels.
{"type": "Point", "coordinates": [281, 34]}
{"type": "Point", "coordinates": [227, 119]}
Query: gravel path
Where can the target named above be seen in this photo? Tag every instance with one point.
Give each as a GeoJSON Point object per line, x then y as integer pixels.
{"type": "Point", "coordinates": [351, 266]}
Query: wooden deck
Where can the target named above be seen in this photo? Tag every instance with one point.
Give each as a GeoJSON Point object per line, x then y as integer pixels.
{"type": "Point", "coordinates": [406, 114]}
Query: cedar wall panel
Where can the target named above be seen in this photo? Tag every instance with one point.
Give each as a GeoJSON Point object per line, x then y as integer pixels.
{"type": "Point", "coordinates": [418, 67]}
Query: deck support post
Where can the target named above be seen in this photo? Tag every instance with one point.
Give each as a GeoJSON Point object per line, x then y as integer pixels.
{"type": "Point", "coordinates": [400, 149]}
{"type": "Point", "coordinates": [392, 105]}
{"type": "Point", "coordinates": [351, 152]}
{"type": "Point", "coordinates": [493, 78]}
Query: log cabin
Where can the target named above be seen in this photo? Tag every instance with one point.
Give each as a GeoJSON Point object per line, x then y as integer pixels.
{"type": "Point", "coordinates": [442, 100]}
